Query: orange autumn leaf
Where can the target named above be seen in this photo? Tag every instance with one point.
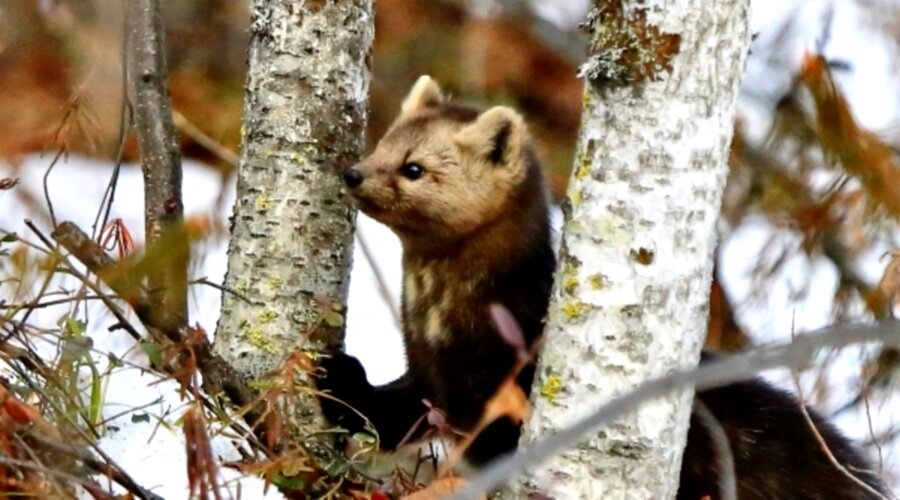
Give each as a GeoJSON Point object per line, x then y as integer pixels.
{"type": "Point", "coordinates": [859, 152]}
{"type": "Point", "coordinates": [438, 489]}
{"type": "Point", "coordinates": [889, 285]}
{"type": "Point", "coordinates": [509, 401]}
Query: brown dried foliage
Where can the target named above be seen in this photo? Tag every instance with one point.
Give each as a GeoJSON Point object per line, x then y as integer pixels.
{"type": "Point", "coordinates": [723, 332]}
{"type": "Point", "coordinates": [860, 153]}
{"type": "Point", "coordinates": [202, 464]}
{"type": "Point", "coordinates": [17, 476]}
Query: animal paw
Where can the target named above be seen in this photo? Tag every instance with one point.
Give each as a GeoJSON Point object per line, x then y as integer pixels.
{"type": "Point", "coordinates": [346, 390]}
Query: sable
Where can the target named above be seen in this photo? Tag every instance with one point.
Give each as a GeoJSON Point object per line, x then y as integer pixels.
{"type": "Point", "coordinates": [475, 231]}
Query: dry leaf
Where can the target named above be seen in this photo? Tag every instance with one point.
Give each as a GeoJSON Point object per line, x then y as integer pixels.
{"type": "Point", "coordinates": [890, 280]}
{"type": "Point", "coordinates": [438, 489]}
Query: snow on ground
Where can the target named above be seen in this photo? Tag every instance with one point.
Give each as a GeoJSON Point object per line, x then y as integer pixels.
{"type": "Point", "coordinates": [151, 447]}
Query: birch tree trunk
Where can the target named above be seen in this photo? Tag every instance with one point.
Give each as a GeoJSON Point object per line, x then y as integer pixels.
{"type": "Point", "coordinates": [631, 293]}
{"type": "Point", "coordinates": [304, 116]}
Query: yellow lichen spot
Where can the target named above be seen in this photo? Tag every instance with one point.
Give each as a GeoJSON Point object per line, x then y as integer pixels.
{"type": "Point", "coordinates": [259, 340]}
{"type": "Point", "coordinates": [584, 168]}
{"type": "Point", "coordinates": [609, 228]}
{"type": "Point", "coordinates": [551, 386]}
{"type": "Point", "coordinates": [242, 287]}
{"type": "Point", "coordinates": [256, 337]}
{"type": "Point", "coordinates": [575, 227]}
{"type": "Point", "coordinates": [570, 282]}
{"type": "Point", "coordinates": [262, 203]}
{"type": "Point", "coordinates": [596, 281]}
{"type": "Point", "coordinates": [574, 309]}
{"type": "Point", "coordinates": [576, 198]}
{"type": "Point", "coordinates": [275, 282]}
{"type": "Point", "coordinates": [267, 316]}
{"type": "Point", "coordinates": [261, 384]}
{"type": "Point", "coordinates": [333, 318]}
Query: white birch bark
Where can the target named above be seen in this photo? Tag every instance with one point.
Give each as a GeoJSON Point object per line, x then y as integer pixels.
{"type": "Point", "coordinates": [631, 293]}
{"type": "Point", "coordinates": [304, 116]}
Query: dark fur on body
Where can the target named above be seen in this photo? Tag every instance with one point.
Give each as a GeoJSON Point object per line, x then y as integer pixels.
{"type": "Point", "coordinates": [454, 265]}
{"type": "Point", "coordinates": [454, 376]}
{"type": "Point", "coordinates": [776, 454]}
{"type": "Point", "coordinates": [464, 250]}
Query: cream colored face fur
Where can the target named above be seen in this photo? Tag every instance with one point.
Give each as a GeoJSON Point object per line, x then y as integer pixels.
{"type": "Point", "coordinates": [470, 167]}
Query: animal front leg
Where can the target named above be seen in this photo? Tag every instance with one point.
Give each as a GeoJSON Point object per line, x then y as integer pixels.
{"type": "Point", "coordinates": [393, 409]}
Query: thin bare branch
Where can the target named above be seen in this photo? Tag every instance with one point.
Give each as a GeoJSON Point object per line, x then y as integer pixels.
{"type": "Point", "coordinates": [720, 373]}
{"type": "Point", "coordinates": [722, 448]}
{"type": "Point", "coordinates": [380, 280]}
{"type": "Point", "coordinates": [46, 177]}
{"type": "Point", "coordinates": [160, 158]}
{"type": "Point", "coordinates": [222, 288]}
{"type": "Point", "coordinates": [821, 441]}
{"type": "Point", "coordinates": [211, 145]}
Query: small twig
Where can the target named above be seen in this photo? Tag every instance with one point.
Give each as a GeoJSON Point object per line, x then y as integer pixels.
{"type": "Point", "coordinates": [232, 291]}
{"type": "Point", "coordinates": [379, 279]}
{"type": "Point", "coordinates": [8, 183]}
{"type": "Point", "coordinates": [194, 132]}
{"type": "Point", "coordinates": [722, 449]}
{"type": "Point", "coordinates": [133, 409]}
{"type": "Point", "coordinates": [160, 161]}
{"type": "Point", "coordinates": [801, 402]}
{"type": "Point", "coordinates": [875, 441]}
{"type": "Point", "coordinates": [23, 241]}
{"type": "Point", "coordinates": [720, 373]}
{"type": "Point", "coordinates": [26, 357]}
{"type": "Point", "coordinates": [53, 163]}
{"type": "Point", "coordinates": [823, 446]}
{"type": "Point", "coordinates": [886, 436]}
{"type": "Point", "coordinates": [49, 303]}
{"type": "Point", "coordinates": [109, 195]}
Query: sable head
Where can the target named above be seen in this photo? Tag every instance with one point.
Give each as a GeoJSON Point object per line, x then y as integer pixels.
{"type": "Point", "coordinates": [441, 171]}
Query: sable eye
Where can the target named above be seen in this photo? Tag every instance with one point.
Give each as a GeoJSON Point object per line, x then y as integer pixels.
{"type": "Point", "coordinates": [412, 171]}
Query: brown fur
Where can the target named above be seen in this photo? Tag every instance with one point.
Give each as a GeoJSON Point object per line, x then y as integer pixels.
{"type": "Point", "coordinates": [462, 190]}
{"type": "Point", "coordinates": [475, 231]}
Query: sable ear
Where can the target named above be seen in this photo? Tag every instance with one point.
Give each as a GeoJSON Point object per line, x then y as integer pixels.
{"type": "Point", "coordinates": [424, 93]}
{"type": "Point", "coordinates": [498, 135]}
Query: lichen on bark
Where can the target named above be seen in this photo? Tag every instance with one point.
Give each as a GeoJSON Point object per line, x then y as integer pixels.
{"type": "Point", "coordinates": [304, 115]}
{"type": "Point", "coordinates": [630, 300]}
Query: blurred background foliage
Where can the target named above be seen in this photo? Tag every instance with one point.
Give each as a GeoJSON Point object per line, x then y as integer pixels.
{"type": "Point", "coordinates": [61, 58]}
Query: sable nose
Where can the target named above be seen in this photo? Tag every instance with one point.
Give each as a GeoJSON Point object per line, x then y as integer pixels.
{"type": "Point", "coordinates": [352, 177]}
